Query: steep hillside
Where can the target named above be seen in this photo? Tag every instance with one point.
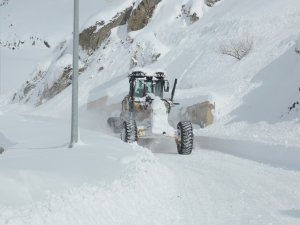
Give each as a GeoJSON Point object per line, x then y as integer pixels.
{"type": "Point", "coordinates": [244, 56]}
{"type": "Point", "coordinates": [100, 38]}
{"type": "Point", "coordinates": [224, 54]}
{"type": "Point", "coordinates": [29, 31]}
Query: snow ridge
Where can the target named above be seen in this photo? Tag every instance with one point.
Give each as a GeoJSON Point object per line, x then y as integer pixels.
{"type": "Point", "coordinates": [116, 203]}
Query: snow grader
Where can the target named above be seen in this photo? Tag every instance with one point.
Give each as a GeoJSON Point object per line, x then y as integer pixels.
{"type": "Point", "coordinates": [145, 112]}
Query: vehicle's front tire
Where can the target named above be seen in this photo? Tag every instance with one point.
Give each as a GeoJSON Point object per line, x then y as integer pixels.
{"type": "Point", "coordinates": [129, 131]}
{"type": "Point", "coordinates": [185, 138]}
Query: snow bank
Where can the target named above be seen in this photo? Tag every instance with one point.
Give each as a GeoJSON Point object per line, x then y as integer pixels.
{"type": "Point", "coordinates": [277, 95]}
{"type": "Point", "coordinates": [273, 154]}
{"type": "Point", "coordinates": [145, 190]}
{"type": "Point", "coordinates": [101, 181]}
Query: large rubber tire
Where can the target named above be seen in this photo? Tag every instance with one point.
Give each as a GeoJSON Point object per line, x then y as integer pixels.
{"type": "Point", "coordinates": [185, 138]}
{"type": "Point", "coordinates": [115, 123]}
{"type": "Point", "coordinates": [129, 131]}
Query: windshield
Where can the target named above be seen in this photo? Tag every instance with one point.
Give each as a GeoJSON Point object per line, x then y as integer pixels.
{"type": "Point", "coordinates": [142, 87]}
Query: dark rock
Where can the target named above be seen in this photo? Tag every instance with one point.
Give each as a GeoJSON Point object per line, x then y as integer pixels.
{"type": "Point", "coordinates": [194, 17]}
{"type": "Point", "coordinates": [211, 3]}
{"type": "Point", "coordinates": [293, 106]}
{"type": "Point", "coordinates": [29, 86]}
{"type": "Point", "coordinates": [186, 11]}
{"type": "Point", "coordinates": [91, 39]}
{"type": "Point", "coordinates": [47, 44]}
{"type": "Point", "coordinates": [58, 86]}
{"type": "Point", "coordinates": [142, 14]}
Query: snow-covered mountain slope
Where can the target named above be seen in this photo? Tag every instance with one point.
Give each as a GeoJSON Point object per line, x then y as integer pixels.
{"type": "Point", "coordinates": [105, 181]}
{"type": "Point", "coordinates": [191, 42]}
{"type": "Point", "coordinates": [98, 59]}
{"type": "Point", "coordinates": [30, 30]}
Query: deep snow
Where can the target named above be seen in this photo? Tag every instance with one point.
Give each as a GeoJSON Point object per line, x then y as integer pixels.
{"type": "Point", "coordinates": [104, 181]}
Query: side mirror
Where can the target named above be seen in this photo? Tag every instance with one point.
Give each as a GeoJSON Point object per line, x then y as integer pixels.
{"type": "Point", "coordinates": [166, 86]}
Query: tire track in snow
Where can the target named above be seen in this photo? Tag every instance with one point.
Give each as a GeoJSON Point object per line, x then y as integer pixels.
{"type": "Point", "coordinates": [216, 188]}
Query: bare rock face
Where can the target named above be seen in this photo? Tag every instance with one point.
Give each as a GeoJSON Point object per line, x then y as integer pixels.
{"type": "Point", "coordinates": [91, 39]}
{"type": "Point", "coordinates": [211, 3]}
{"type": "Point", "coordinates": [59, 85]}
{"type": "Point", "coordinates": [141, 15]}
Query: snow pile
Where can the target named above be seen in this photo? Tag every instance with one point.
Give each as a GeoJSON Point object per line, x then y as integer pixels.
{"type": "Point", "coordinates": [159, 120]}
{"type": "Point", "coordinates": [270, 112]}
{"type": "Point", "coordinates": [117, 203]}
{"type": "Point", "coordinates": [101, 181]}
{"type": "Point", "coordinates": [277, 93]}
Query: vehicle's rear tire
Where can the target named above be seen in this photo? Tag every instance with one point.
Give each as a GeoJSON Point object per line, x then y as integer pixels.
{"type": "Point", "coordinates": [129, 131]}
{"type": "Point", "coordinates": [185, 138]}
{"type": "Point", "coordinates": [115, 123]}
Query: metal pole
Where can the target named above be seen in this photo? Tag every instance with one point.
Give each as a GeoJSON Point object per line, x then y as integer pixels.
{"type": "Point", "coordinates": [0, 67]}
{"type": "Point", "coordinates": [74, 122]}
{"type": "Point", "coordinates": [0, 71]}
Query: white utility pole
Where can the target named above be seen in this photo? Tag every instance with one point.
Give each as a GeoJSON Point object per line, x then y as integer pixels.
{"type": "Point", "coordinates": [0, 65]}
{"type": "Point", "coordinates": [0, 71]}
{"type": "Point", "coordinates": [74, 122]}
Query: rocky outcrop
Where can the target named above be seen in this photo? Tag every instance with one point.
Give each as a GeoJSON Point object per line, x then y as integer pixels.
{"type": "Point", "coordinates": [141, 14]}
{"type": "Point", "coordinates": [3, 2]}
{"type": "Point", "coordinates": [92, 37]}
{"type": "Point", "coordinates": [192, 17]}
{"type": "Point", "coordinates": [28, 87]}
{"type": "Point", "coordinates": [211, 3]}
{"type": "Point", "coordinates": [59, 85]}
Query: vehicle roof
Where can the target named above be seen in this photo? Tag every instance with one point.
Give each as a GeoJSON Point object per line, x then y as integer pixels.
{"type": "Point", "coordinates": [140, 74]}
{"type": "Point", "coordinates": [144, 73]}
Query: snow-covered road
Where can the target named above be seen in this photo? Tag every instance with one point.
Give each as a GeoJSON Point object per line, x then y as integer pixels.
{"type": "Point", "coordinates": [106, 181]}
{"type": "Point", "coordinates": [217, 188]}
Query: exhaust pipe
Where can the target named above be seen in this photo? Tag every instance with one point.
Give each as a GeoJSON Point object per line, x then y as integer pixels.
{"type": "Point", "coordinates": [173, 90]}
